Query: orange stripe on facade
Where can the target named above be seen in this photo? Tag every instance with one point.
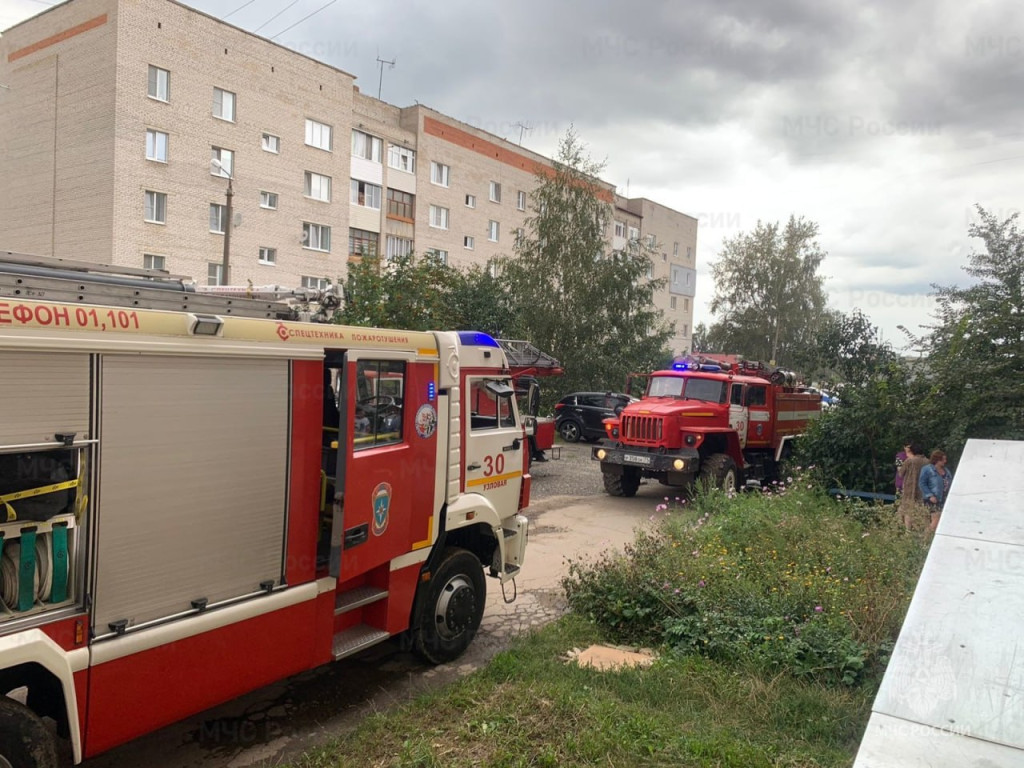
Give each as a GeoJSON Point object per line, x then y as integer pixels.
{"type": "Point", "coordinates": [489, 149]}
{"type": "Point", "coordinates": [60, 37]}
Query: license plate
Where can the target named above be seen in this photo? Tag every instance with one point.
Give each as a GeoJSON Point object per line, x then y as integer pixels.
{"type": "Point", "coordinates": [631, 459]}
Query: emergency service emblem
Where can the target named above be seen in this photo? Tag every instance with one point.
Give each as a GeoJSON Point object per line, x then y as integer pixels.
{"type": "Point", "coordinates": [426, 420]}
{"type": "Point", "coordinates": [381, 508]}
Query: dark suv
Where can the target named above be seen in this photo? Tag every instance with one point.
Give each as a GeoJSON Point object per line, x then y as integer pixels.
{"type": "Point", "coordinates": [580, 415]}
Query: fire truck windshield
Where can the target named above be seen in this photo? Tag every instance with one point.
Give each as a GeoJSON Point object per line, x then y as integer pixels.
{"type": "Point", "coordinates": [708, 390]}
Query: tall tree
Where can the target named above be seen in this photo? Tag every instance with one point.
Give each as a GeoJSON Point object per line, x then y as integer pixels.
{"type": "Point", "coordinates": [769, 296]}
{"type": "Point", "coordinates": [589, 307]}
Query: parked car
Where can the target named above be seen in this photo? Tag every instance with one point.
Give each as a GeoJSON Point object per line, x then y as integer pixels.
{"type": "Point", "coordinates": [580, 415]}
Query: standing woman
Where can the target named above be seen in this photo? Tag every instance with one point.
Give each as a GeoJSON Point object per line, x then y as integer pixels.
{"type": "Point", "coordinates": [934, 483]}
{"type": "Point", "coordinates": [909, 472]}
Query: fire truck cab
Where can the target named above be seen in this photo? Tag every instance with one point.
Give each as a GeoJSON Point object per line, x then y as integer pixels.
{"type": "Point", "coordinates": [188, 512]}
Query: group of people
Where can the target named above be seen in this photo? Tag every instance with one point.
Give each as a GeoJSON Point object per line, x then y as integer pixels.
{"type": "Point", "coordinates": [922, 484]}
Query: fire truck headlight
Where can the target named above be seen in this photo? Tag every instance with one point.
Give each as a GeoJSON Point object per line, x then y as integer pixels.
{"type": "Point", "coordinates": [678, 464]}
{"type": "Point", "coordinates": [601, 453]}
{"type": "Point", "coordinates": [615, 431]}
{"type": "Point", "coordinates": [691, 439]}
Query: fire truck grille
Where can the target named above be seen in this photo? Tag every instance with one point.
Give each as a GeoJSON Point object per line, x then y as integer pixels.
{"type": "Point", "coordinates": [645, 430]}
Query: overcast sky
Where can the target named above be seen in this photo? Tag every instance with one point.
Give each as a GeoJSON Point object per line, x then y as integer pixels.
{"type": "Point", "coordinates": [883, 123]}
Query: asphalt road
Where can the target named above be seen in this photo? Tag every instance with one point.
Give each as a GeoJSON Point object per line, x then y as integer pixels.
{"type": "Point", "coordinates": [570, 517]}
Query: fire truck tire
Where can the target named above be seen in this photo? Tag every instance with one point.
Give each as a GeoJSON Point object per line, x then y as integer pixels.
{"type": "Point", "coordinates": [625, 484]}
{"type": "Point", "coordinates": [25, 741]}
{"type": "Point", "coordinates": [718, 471]}
{"type": "Point", "coordinates": [452, 607]}
{"type": "Point", "coordinates": [570, 431]}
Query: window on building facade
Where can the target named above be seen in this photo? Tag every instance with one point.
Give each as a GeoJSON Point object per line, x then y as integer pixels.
{"type": "Point", "coordinates": [686, 305]}
{"type": "Point", "coordinates": [156, 207]}
{"type": "Point", "coordinates": [224, 104]}
{"type": "Point", "coordinates": [471, 201]}
{"type": "Point", "coordinates": [156, 145]}
{"type": "Point", "coordinates": [495, 192]}
{"type": "Point", "coordinates": [650, 270]}
{"type": "Point", "coordinates": [365, 194]}
{"type": "Point", "coordinates": [362, 242]}
{"type": "Point", "coordinates": [519, 233]}
{"type": "Point", "coordinates": [316, 237]}
{"type": "Point", "coordinates": [217, 213]}
{"type": "Point", "coordinates": [400, 205]}
{"type": "Point", "coordinates": [521, 200]}
{"type": "Point", "coordinates": [440, 174]}
{"type": "Point", "coordinates": [492, 268]}
{"type": "Point", "coordinates": [271, 143]}
{"type": "Point", "coordinates": [492, 231]}
{"type": "Point", "coordinates": [159, 84]}
{"type": "Point", "coordinates": [153, 261]}
{"type": "Point", "coordinates": [620, 229]}
{"type": "Point", "coordinates": [316, 283]}
{"type": "Point", "coordinates": [397, 247]}
{"type": "Point", "coordinates": [268, 200]}
{"type": "Point", "coordinates": [268, 255]}
{"type": "Point", "coordinates": [225, 162]}
{"type": "Point", "coordinates": [214, 273]}
{"type": "Point", "coordinates": [438, 217]}
{"type": "Point", "coordinates": [671, 302]}
{"type": "Point", "coordinates": [401, 158]}
{"type": "Point", "coordinates": [652, 241]}
{"type": "Point", "coordinates": [689, 253]}
{"type": "Point", "coordinates": [318, 135]}
{"type": "Point", "coordinates": [366, 146]}
{"type": "Point", "coordinates": [686, 330]}
{"type": "Point", "coordinates": [468, 242]}
{"type": "Point", "coordinates": [317, 186]}
{"type": "Point", "coordinates": [675, 249]}
{"type": "Point", "coordinates": [439, 255]}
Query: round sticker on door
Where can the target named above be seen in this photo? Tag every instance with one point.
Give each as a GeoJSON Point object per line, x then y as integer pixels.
{"type": "Point", "coordinates": [381, 508]}
{"type": "Point", "coordinates": [426, 420]}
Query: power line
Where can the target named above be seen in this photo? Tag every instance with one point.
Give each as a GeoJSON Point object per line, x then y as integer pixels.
{"type": "Point", "coordinates": [237, 10]}
{"type": "Point", "coordinates": [314, 13]}
{"type": "Point", "coordinates": [261, 26]}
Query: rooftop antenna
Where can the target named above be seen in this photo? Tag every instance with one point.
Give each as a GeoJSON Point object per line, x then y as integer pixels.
{"type": "Point", "coordinates": [522, 127]}
{"type": "Point", "coordinates": [380, 63]}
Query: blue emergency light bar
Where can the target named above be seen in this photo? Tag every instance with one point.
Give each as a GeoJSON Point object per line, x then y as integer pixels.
{"type": "Point", "coordinates": [477, 339]}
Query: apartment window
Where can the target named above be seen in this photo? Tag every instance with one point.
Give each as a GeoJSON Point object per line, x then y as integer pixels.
{"type": "Point", "coordinates": [159, 84]}
{"type": "Point", "coordinates": [316, 283]}
{"type": "Point", "coordinates": [664, 256]}
{"type": "Point", "coordinates": [316, 237]}
{"type": "Point", "coordinates": [214, 273]}
{"type": "Point", "coordinates": [686, 330]}
{"type": "Point", "coordinates": [471, 201]}
{"type": "Point", "coordinates": [518, 233]}
{"type": "Point", "coordinates": [224, 104]}
{"type": "Point", "coordinates": [686, 305]}
{"type": "Point", "coordinates": [365, 194]}
{"type": "Point", "coordinates": [492, 231]}
{"type": "Point", "coordinates": [271, 143]}
{"type": "Point", "coordinates": [440, 256]}
{"type": "Point", "coordinates": [156, 146]}
{"type": "Point", "coordinates": [492, 269]}
{"type": "Point", "coordinates": [268, 255]}
{"type": "Point", "coordinates": [401, 158]}
{"type": "Point", "coordinates": [652, 241]}
{"type": "Point", "coordinates": [521, 200]}
{"type": "Point", "coordinates": [318, 135]}
{"type": "Point", "coordinates": [362, 242]}
{"type": "Point", "coordinates": [156, 207]}
{"type": "Point", "coordinates": [318, 186]}
{"type": "Point", "coordinates": [268, 200]}
{"type": "Point", "coordinates": [440, 174]}
{"type": "Point", "coordinates": [650, 270]}
{"type": "Point", "coordinates": [671, 302]}
{"type": "Point", "coordinates": [217, 213]}
{"type": "Point", "coordinates": [620, 229]}
{"type": "Point", "coordinates": [689, 253]}
{"type": "Point", "coordinates": [225, 165]}
{"type": "Point", "coordinates": [397, 247]}
{"type": "Point", "coordinates": [400, 204]}
{"type": "Point", "coordinates": [366, 146]}
{"type": "Point", "coordinates": [495, 194]}
{"type": "Point", "coordinates": [438, 217]}
{"type": "Point", "coordinates": [152, 261]}
{"type": "Point", "coordinates": [468, 242]}
{"type": "Point", "coordinates": [675, 249]}
{"type": "Point", "coordinates": [634, 233]}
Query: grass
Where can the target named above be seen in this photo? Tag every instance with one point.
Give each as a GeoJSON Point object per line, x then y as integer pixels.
{"type": "Point", "coordinates": [772, 613]}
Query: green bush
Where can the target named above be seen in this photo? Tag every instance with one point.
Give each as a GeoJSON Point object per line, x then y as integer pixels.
{"type": "Point", "coordinates": [781, 580]}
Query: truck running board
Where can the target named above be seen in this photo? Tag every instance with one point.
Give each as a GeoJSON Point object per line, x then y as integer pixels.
{"type": "Point", "coordinates": [355, 639]}
{"type": "Point", "coordinates": [357, 598]}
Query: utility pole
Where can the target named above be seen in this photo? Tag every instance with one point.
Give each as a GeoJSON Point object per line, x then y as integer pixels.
{"type": "Point", "coordinates": [380, 63]}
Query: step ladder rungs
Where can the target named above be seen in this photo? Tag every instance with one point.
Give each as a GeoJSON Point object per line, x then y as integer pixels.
{"type": "Point", "coordinates": [355, 639]}
{"type": "Point", "coordinates": [358, 597]}
{"type": "Point", "coordinates": [511, 570]}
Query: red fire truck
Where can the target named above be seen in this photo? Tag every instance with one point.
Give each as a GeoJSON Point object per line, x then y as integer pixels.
{"type": "Point", "coordinates": [527, 364]}
{"type": "Point", "coordinates": [192, 509]}
{"type": "Point", "coordinates": [725, 423]}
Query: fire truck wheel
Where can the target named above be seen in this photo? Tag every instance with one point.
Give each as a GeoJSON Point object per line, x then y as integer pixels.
{"type": "Point", "coordinates": [453, 607]}
{"type": "Point", "coordinates": [718, 471]}
{"type": "Point", "coordinates": [625, 484]}
{"type": "Point", "coordinates": [570, 431]}
{"type": "Point", "coordinates": [25, 741]}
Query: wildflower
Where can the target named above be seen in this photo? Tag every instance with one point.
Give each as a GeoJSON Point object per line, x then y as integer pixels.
{"type": "Point", "coordinates": [696, 553]}
{"type": "Point", "coordinates": [702, 583]}
{"type": "Point", "coordinates": [864, 535]}
{"type": "Point", "coordinates": [818, 609]}
{"type": "Point", "coordinates": [789, 479]}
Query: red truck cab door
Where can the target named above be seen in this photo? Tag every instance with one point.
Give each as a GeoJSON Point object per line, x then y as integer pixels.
{"type": "Point", "coordinates": [759, 415]}
{"type": "Point", "coordinates": [738, 417]}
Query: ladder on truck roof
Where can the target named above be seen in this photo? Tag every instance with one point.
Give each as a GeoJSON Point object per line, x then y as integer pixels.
{"type": "Point", "coordinates": [523, 357]}
{"type": "Point", "coordinates": [46, 278]}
